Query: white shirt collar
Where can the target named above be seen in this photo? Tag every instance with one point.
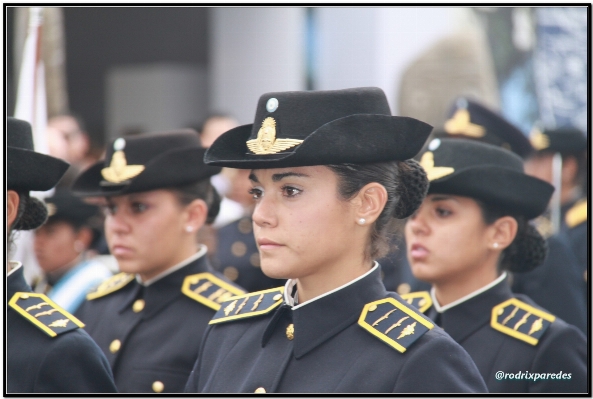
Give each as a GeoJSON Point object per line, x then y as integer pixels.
{"type": "Point", "coordinates": [14, 266]}
{"type": "Point", "coordinates": [441, 309]}
{"type": "Point", "coordinates": [201, 252]}
{"type": "Point", "coordinates": [290, 283]}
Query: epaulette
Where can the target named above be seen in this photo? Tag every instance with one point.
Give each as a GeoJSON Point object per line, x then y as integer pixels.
{"type": "Point", "coordinates": [577, 214]}
{"type": "Point", "coordinates": [394, 323]}
{"type": "Point", "coordinates": [209, 290]}
{"type": "Point", "coordinates": [110, 285]}
{"type": "Point", "coordinates": [44, 313]}
{"type": "Point", "coordinates": [420, 300]}
{"type": "Point", "coordinates": [249, 305]}
{"type": "Point", "coordinates": [520, 320]}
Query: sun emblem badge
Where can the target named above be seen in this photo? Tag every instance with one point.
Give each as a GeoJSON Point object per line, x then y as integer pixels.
{"type": "Point", "coordinates": [266, 141]}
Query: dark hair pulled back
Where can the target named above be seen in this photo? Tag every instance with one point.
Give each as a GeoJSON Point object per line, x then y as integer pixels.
{"type": "Point", "coordinates": [527, 251]}
{"type": "Point", "coordinates": [200, 190]}
{"type": "Point", "coordinates": [406, 185]}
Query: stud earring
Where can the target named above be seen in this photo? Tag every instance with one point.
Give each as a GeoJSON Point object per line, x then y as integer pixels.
{"type": "Point", "coordinates": [189, 229]}
{"type": "Point", "coordinates": [495, 245]}
{"type": "Point", "coordinates": [361, 221]}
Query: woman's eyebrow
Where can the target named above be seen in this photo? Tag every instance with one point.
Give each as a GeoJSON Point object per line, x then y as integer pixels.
{"type": "Point", "coordinates": [279, 176]}
{"type": "Point", "coordinates": [253, 177]}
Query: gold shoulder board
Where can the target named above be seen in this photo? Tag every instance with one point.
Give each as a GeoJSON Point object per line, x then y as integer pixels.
{"type": "Point", "coordinates": [110, 285]}
{"type": "Point", "coordinates": [394, 323]}
{"type": "Point", "coordinates": [44, 313]}
{"type": "Point", "coordinates": [520, 320]}
{"type": "Point", "coordinates": [249, 305]}
{"type": "Point", "coordinates": [577, 214]}
{"type": "Point", "coordinates": [209, 290]}
{"type": "Point", "coordinates": [420, 300]}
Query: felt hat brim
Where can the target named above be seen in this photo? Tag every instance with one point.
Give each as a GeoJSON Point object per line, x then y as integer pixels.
{"type": "Point", "coordinates": [506, 188]}
{"type": "Point", "coordinates": [31, 171]}
{"type": "Point", "coordinates": [359, 138]}
{"type": "Point", "coordinates": [162, 171]}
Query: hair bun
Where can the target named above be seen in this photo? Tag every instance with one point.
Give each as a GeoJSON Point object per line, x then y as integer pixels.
{"type": "Point", "coordinates": [412, 188]}
{"type": "Point", "coordinates": [527, 252]}
{"type": "Point", "coordinates": [34, 215]}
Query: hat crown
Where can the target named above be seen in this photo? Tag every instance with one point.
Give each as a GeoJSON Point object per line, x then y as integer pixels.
{"type": "Point", "coordinates": [19, 134]}
{"type": "Point", "coordinates": [297, 114]}
{"type": "Point", "coordinates": [139, 150]}
{"type": "Point", "coordinates": [461, 154]}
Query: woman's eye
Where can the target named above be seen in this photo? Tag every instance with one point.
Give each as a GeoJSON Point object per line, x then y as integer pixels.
{"type": "Point", "coordinates": [291, 191]}
{"type": "Point", "coordinates": [138, 207]}
{"type": "Point", "coordinates": [256, 193]}
{"type": "Point", "coordinates": [443, 212]}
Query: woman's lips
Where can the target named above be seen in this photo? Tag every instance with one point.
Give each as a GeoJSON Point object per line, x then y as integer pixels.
{"type": "Point", "coordinates": [265, 244]}
{"type": "Point", "coordinates": [120, 250]}
{"type": "Point", "coordinates": [418, 252]}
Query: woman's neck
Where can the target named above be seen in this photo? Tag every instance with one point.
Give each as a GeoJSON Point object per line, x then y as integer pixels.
{"type": "Point", "coordinates": [330, 277]}
{"type": "Point", "coordinates": [458, 286]}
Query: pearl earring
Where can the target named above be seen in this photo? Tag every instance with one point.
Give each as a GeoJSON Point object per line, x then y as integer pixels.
{"type": "Point", "coordinates": [189, 229]}
{"type": "Point", "coordinates": [361, 221]}
{"type": "Point", "coordinates": [495, 245]}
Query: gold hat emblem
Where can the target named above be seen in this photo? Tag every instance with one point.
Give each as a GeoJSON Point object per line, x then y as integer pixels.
{"type": "Point", "coordinates": [434, 172]}
{"type": "Point", "coordinates": [538, 140]}
{"type": "Point", "coordinates": [266, 142]}
{"type": "Point", "coordinates": [119, 170]}
{"type": "Point", "coordinates": [460, 124]}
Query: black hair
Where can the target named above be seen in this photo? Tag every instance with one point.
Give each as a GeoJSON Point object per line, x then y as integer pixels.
{"type": "Point", "coordinates": [199, 190]}
{"type": "Point", "coordinates": [30, 213]}
{"type": "Point", "coordinates": [527, 251]}
{"type": "Point", "coordinates": [406, 185]}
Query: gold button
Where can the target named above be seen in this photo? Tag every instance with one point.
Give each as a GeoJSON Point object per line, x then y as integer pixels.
{"type": "Point", "coordinates": [231, 273]}
{"type": "Point", "coordinates": [254, 260]}
{"type": "Point", "coordinates": [244, 226]}
{"type": "Point", "coordinates": [585, 276]}
{"type": "Point", "coordinates": [403, 288]}
{"type": "Point", "coordinates": [290, 332]}
{"type": "Point", "coordinates": [500, 312]}
{"type": "Point", "coordinates": [115, 345]}
{"type": "Point", "coordinates": [277, 297]}
{"type": "Point", "coordinates": [372, 308]}
{"type": "Point", "coordinates": [239, 249]}
{"type": "Point", "coordinates": [260, 390]}
{"type": "Point", "coordinates": [25, 296]}
{"type": "Point", "coordinates": [158, 386]}
{"type": "Point", "coordinates": [422, 302]}
{"type": "Point", "coordinates": [138, 305]}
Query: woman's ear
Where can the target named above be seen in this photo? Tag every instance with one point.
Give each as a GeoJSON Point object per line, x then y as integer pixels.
{"type": "Point", "coordinates": [12, 208]}
{"type": "Point", "coordinates": [370, 201]}
{"type": "Point", "coordinates": [85, 235]}
{"type": "Point", "coordinates": [503, 233]}
{"type": "Point", "coordinates": [197, 212]}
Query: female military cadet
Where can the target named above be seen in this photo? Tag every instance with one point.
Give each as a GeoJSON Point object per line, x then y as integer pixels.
{"type": "Point", "coordinates": [46, 350]}
{"type": "Point", "coordinates": [470, 229]}
{"type": "Point", "coordinates": [330, 170]}
{"type": "Point", "coordinates": [149, 319]}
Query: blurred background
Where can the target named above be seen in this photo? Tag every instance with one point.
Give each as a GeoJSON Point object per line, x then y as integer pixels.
{"type": "Point", "coordinates": [131, 69]}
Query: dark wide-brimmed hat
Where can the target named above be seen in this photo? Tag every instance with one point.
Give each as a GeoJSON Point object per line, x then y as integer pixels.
{"type": "Point", "coordinates": [144, 163]}
{"type": "Point", "coordinates": [565, 140]}
{"type": "Point", "coordinates": [66, 207]}
{"type": "Point", "coordinates": [28, 170]}
{"type": "Point", "coordinates": [305, 128]}
{"type": "Point", "coordinates": [468, 119]}
{"type": "Point", "coordinates": [484, 172]}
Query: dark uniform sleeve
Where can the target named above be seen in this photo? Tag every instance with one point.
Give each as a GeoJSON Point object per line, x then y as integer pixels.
{"type": "Point", "coordinates": [192, 382]}
{"type": "Point", "coordinates": [562, 357]}
{"type": "Point", "coordinates": [75, 365]}
{"type": "Point", "coordinates": [439, 365]}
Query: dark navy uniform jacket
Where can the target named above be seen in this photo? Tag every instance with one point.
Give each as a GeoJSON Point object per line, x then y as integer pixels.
{"type": "Point", "coordinates": [36, 362]}
{"type": "Point", "coordinates": [237, 257]}
{"type": "Point", "coordinates": [336, 343]}
{"type": "Point", "coordinates": [508, 335]}
{"type": "Point", "coordinates": [151, 335]}
{"type": "Point", "coordinates": [557, 285]}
